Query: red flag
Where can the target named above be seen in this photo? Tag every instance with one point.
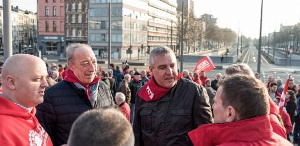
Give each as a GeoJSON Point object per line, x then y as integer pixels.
{"type": "Point", "coordinates": [205, 64]}
{"type": "Point", "coordinates": [283, 95]}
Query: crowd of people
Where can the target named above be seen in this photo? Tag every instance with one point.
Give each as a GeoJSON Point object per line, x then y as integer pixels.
{"type": "Point", "coordinates": [84, 104]}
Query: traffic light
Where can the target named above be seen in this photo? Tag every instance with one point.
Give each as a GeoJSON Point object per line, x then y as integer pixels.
{"type": "Point", "coordinates": [148, 50]}
{"type": "Point", "coordinates": [118, 50]}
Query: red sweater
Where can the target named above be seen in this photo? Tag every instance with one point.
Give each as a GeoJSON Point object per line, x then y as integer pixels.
{"type": "Point", "coordinates": [18, 127]}
{"type": "Point", "coordinates": [254, 131]}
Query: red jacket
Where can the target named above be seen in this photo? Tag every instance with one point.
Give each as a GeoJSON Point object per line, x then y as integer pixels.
{"type": "Point", "coordinates": [18, 127]}
{"type": "Point", "coordinates": [254, 131]}
{"type": "Point", "coordinates": [287, 122]}
{"type": "Point", "coordinates": [276, 125]}
{"type": "Point", "coordinates": [203, 80]}
{"type": "Point", "coordinates": [125, 109]}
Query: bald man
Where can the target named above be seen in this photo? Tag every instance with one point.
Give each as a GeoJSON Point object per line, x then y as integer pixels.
{"type": "Point", "coordinates": [23, 89]}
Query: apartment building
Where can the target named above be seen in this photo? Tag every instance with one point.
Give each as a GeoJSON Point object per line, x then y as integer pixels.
{"type": "Point", "coordinates": [76, 21]}
{"type": "Point", "coordinates": [128, 27]}
{"type": "Point", "coordinates": [51, 20]}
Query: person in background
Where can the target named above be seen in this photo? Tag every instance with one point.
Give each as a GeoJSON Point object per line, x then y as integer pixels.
{"type": "Point", "coordinates": [203, 77]}
{"type": "Point", "coordinates": [186, 75]}
{"type": "Point", "coordinates": [257, 75]}
{"type": "Point", "coordinates": [105, 126]}
{"type": "Point", "coordinates": [197, 79]}
{"type": "Point", "coordinates": [271, 79]}
{"type": "Point", "coordinates": [120, 101]}
{"type": "Point", "coordinates": [241, 116]}
{"type": "Point", "coordinates": [210, 91]}
{"type": "Point", "coordinates": [144, 77]}
{"type": "Point", "coordinates": [273, 90]}
{"type": "Point", "coordinates": [291, 86]}
{"type": "Point", "coordinates": [167, 108]}
{"type": "Point", "coordinates": [280, 86]}
{"type": "Point", "coordinates": [124, 88]}
{"type": "Point", "coordinates": [285, 117]}
{"type": "Point", "coordinates": [80, 91]}
{"type": "Point", "coordinates": [23, 89]}
{"type": "Point", "coordinates": [134, 85]}
{"type": "Point", "coordinates": [214, 83]}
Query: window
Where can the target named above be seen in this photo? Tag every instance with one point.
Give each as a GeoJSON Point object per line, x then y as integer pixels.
{"type": "Point", "coordinates": [73, 18]}
{"type": "Point", "coordinates": [103, 25]}
{"type": "Point", "coordinates": [54, 26]}
{"type": "Point", "coordinates": [79, 32]}
{"type": "Point", "coordinates": [47, 1]}
{"type": "Point", "coordinates": [86, 7]}
{"type": "Point", "coordinates": [79, 6]}
{"type": "Point", "coordinates": [102, 37]}
{"type": "Point", "coordinates": [73, 32]}
{"type": "Point", "coordinates": [47, 11]}
{"type": "Point", "coordinates": [67, 7]}
{"type": "Point", "coordinates": [47, 26]}
{"type": "Point", "coordinates": [79, 18]}
{"type": "Point", "coordinates": [54, 11]}
{"type": "Point", "coordinates": [54, 1]}
{"type": "Point", "coordinates": [67, 18]}
{"type": "Point", "coordinates": [73, 7]}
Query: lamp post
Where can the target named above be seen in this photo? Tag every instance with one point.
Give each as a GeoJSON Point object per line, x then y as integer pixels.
{"type": "Point", "coordinates": [259, 43]}
{"type": "Point", "coordinates": [109, 39]}
{"type": "Point", "coordinates": [181, 51]}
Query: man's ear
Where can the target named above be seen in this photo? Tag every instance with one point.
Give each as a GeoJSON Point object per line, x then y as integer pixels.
{"type": "Point", "coordinates": [150, 69]}
{"type": "Point", "coordinates": [231, 114]}
{"type": "Point", "coordinates": [10, 82]}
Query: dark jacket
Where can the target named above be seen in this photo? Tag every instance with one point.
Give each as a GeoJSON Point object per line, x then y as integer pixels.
{"type": "Point", "coordinates": [113, 86]}
{"type": "Point", "coordinates": [214, 84]}
{"type": "Point", "coordinates": [124, 88]}
{"type": "Point", "coordinates": [134, 87]}
{"type": "Point", "coordinates": [64, 102]}
{"type": "Point", "coordinates": [166, 121]}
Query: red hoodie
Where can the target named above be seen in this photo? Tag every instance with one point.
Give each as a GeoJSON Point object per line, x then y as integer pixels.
{"type": "Point", "coordinates": [18, 127]}
{"type": "Point", "coordinates": [255, 131]}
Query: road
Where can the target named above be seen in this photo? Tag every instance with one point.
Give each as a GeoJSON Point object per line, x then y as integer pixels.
{"type": "Point", "coordinates": [250, 57]}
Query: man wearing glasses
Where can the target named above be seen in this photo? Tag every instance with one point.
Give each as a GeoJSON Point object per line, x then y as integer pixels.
{"type": "Point", "coordinates": [80, 91]}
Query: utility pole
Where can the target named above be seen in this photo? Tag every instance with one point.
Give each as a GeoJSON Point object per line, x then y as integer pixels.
{"type": "Point", "coordinates": [181, 51]}
{"type": "Point", "coordinates": [268, 45]}
{"type": "Point", "coordinates": [172, 35]}
{"type": "Point", "coordinates": [259, 43]}
{"type": "Point", "coordinates": [237, 47]}
{"type": "Point", "coordinates": [7, 29]}
{"type": "Point", "coordinates": [109, 38]}
{"type": "Point", "coordinates": [274, 47]}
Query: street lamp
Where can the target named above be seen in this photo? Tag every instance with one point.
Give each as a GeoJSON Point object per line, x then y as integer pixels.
{"type": "Point", "coordinates": [259, 43]}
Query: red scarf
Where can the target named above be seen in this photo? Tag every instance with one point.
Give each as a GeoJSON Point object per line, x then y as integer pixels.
{"type": "Point", "coordinates": [70, 77]}
{"type": "Point", "coordinates": [151, 91]}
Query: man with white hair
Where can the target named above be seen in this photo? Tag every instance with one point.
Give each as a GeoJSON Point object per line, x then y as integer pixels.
{"type": "Point", "coordinates": [120, 101]}
{"type": "Point", "coordinates": [214, 83]}
{"type": "Point", "coordinates": [124, 88]}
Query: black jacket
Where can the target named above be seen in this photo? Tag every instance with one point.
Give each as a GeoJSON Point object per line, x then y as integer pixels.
{"type": "Point", "coordinates": [64, 102]}
{"type": "Point", "coordinates": [134, 87]}
{"type": "Point", "coordinates": [166, 121]}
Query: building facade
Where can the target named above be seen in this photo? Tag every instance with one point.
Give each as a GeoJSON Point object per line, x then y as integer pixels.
{"type": "Point", "coordinates": [162, 23]}
{"type": "Point", "coordinates": [76, 21]}
{"type": "Point", "coordinates": [51, 20]}
{"type": "Point", "coordinates": [128, 27]}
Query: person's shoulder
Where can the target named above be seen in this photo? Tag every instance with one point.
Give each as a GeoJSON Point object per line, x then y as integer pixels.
{"type": "Point", "coordinates": [58, 86]}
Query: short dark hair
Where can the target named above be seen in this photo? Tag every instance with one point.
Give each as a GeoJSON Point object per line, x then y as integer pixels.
{"type": "Point", "coordinates": [106, 126]}
{"type": "Point", "coordinates": [112, 65]}
{"type": "Point", "coordinates": [247, 95]}
{"type": "Point", "coordinates": [273, 84]}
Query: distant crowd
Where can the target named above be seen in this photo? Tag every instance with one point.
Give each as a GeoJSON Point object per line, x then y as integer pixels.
{"type": "Point", "coordinates": [84, 104]}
